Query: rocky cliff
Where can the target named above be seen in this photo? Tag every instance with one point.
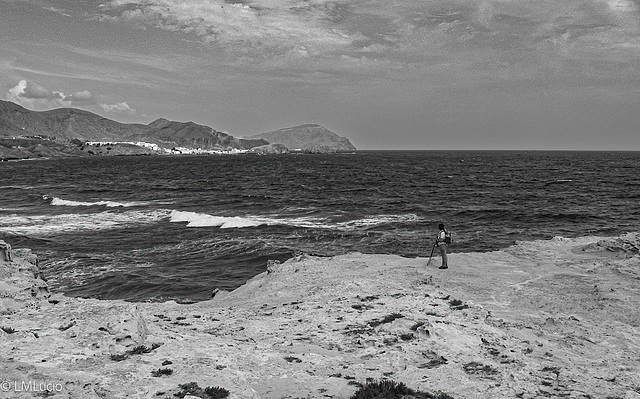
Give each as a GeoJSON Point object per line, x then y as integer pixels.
{"type": "Point", "coordinates": [553, 319]}
{"type": "Point", "coordinates": [309, 137]}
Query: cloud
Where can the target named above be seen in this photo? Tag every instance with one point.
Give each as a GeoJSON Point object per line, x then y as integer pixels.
{"type": "Point", "coordinates": [269, 28]}
{"type": "Point", "coordinates": [58, 11]}
{"type": "Point", "coordinates": [402, 30]}
{"type": "Point", "coordinates": [119, 108]}
{"type": "Point", "coordinates": [35, 96]}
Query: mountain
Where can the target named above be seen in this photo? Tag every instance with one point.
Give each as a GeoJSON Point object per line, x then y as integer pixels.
{"type": "Point", "coordinates": [62, 123]}
{"type": "Point", "coordinates": [67, 124]}
{"type": "Point", "coordinates": [167, 133]}
{"type": "Point", "coordinates": [309, 137]}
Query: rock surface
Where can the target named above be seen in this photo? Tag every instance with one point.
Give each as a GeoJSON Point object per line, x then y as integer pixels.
{"type": "Point", "coordinates": [270, 149]}
{"type": "Point", "coordinates": [21, 282]}
{"type": "Point", "coordinates": [554, 319]}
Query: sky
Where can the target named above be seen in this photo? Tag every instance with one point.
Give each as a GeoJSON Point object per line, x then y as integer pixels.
{"type": "Point", "coordinates": [387, 74]}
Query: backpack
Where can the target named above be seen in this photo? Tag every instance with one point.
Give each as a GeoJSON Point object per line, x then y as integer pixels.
{"type": "Point", "coordinates": [447, 237]}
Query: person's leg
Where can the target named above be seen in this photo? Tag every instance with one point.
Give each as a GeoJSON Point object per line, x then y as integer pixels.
{"type": "Point", "coordinates": [443, 253]}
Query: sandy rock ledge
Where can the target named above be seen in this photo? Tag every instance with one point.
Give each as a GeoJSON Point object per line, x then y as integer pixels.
{"type": "Point", "coordinates": [554, 319]}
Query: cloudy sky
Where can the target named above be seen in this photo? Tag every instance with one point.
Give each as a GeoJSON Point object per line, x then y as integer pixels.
{"type": "Point", "coordinates": [388, 74]}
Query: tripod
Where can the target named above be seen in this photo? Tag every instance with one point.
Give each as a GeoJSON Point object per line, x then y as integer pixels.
{"type": "Point", "coordinates": [432, 249]}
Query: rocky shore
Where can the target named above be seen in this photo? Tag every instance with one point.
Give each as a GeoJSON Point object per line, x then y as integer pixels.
{"type": "Point", "coordinates": [545, 319]}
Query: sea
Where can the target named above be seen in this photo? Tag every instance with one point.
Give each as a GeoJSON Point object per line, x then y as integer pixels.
{"type": "Point", "coordinates": [157, 228]}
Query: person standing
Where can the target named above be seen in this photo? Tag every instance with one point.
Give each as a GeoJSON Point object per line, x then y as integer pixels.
{"type": "Point", "coordinates": [443, 239]}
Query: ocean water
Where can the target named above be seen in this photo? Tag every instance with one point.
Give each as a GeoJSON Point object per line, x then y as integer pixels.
{"type": "Point", "coordinates": [176, 227]}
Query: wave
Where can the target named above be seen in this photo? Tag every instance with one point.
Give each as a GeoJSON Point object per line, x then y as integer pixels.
{"type": "Point", "coordinates": [16, 187]}
{"type": "Point", "coordinates": [55, 224]}
{"type": "Point", "coordinates": [372, 221]}
{"type": "Point", "coordinates": [194, 219]}
{"type": "Point", "coordinates": [109, 204]}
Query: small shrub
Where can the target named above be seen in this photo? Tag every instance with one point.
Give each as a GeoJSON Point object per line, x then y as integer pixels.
{"type": "Point", "coordinates": [192, 388]}
{"type": "Point", "coordinates": [188, 389]}
{"type": "Point", "coordinates": [8, 330]}
{"type": "Point", "coordinates": [457, 304]}
{"type": "Point", "coordinates": [216, 392]}
{"type": "Point", "coordinates": [386, 389]}
{"type": "Point", "coordinates": [118, 357]}
{"type": "Point", "coordinates": [138, 350]}
{"type": "Point", "coordinates": [161, 372]}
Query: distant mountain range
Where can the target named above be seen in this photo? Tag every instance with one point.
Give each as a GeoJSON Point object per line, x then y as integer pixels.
{"type": "Point", "coordinates": [69, 125]}
{"type": "Point", "coordinates": [309, 137]}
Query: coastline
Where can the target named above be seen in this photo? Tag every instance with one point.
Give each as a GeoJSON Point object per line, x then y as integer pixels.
{"type": "Point", "coordinates": [539, 319]}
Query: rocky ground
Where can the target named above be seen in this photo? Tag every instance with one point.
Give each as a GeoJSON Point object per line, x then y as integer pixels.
{"type": "Point", "coordinates": [553, 319]}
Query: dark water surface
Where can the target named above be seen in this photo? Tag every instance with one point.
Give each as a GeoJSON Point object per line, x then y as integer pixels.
{"type": "Point", "coordinates": [176, 227]}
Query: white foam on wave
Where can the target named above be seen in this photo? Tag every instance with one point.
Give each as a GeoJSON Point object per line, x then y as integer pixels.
{"type": "Point", "coordinates": [14, 187]}
{"type": "Point", "coordinates": [109, 204]}
{"type": "Point", "coordinates": [372, 221]}
{"type": "Point", "coordinates": [194, 219]}
{"type": "Point", "coordinates": [54, 224]}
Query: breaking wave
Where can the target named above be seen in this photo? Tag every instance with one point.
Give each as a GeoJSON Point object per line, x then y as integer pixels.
{"type": "Point", "coordinates": [194, 219]}
{"type": "Point", "coordinates": [54, 224]}
{"type": "Point", "coordinates": [109, 204]}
